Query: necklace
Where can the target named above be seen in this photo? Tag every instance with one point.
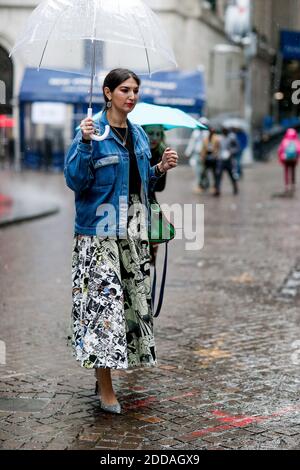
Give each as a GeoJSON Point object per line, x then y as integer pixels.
{"type": "Point", "coordinates": [123, 139]}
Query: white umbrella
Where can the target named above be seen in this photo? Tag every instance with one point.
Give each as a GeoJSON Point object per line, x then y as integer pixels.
{"type": "Point", "coordinates": [132, 34]}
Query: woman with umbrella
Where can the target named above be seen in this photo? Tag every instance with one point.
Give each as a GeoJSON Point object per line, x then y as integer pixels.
{"type": "Point", "coordinates": [112, 314]}
{"type": "Point", "coordinates": [110, 176]}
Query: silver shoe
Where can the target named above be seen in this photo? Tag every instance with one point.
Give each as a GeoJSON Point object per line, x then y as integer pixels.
{"type": "Point", "coordinates": [116, 408]}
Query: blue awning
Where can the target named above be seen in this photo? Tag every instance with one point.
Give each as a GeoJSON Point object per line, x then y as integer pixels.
{"type": "Point", "coordinates": [290, 44]}
{"type": "Point", "coordinates": [62, 87]}
{"type": "Point", "coordinates": [184, 90]}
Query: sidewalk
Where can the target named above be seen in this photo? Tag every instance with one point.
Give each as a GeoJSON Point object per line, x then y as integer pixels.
{"type": "Point", "coordinates": [228, 336]}
{"type": "Point", "coordinates": [21, 201]}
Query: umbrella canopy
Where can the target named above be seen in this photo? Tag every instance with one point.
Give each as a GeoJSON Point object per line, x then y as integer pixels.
{"type": "Point", "coordinates": [146, 114]}
{"type": "Point", "coordinates": [119, 33]}
{"type": "Point", "coordinates": [6, 122]}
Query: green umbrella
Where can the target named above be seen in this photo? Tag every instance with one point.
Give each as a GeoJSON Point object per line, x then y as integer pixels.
{"type": "Point", "coordinates": [146, 114]}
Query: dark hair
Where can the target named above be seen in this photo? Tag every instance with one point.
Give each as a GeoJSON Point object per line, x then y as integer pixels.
{"type": "Point", "coordinates": [117, 76]}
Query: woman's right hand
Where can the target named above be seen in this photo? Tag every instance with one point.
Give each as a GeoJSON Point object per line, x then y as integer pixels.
{"type": "Point", "coordinates": [87, 128]}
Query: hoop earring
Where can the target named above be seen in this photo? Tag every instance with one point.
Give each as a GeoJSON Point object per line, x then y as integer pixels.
{"type": "Point", "coordinates": [108, 104]}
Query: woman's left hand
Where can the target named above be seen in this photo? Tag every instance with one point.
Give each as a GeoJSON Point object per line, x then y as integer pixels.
{"type": "Point", "coordinates": [169, 160]}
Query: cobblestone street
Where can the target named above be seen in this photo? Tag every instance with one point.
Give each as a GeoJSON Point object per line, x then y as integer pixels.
{"type": "Point", "coordinates": [228, 336]}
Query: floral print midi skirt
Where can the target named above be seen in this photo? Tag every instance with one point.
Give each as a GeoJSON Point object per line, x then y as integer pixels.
{"type": "Point", "coordinates": [112, 322]}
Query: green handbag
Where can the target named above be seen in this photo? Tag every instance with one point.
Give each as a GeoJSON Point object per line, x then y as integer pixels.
{"type": "Point", "coordinates": [160, 230]}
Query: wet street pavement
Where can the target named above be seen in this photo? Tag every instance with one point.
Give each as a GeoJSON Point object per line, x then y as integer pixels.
{"type": "Point", "coordinates": [228, 337]}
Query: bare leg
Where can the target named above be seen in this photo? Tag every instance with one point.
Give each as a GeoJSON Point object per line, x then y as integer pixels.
{"type": "Point", "coordinates": [106, 390]}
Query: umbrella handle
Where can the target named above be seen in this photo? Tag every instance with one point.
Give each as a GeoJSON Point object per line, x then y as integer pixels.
{"type": "Point", "coordinates": [99, 138]}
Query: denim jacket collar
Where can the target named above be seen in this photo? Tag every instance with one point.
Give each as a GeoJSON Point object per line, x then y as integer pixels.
{"type": "Point", "coordinates": [103, 121]}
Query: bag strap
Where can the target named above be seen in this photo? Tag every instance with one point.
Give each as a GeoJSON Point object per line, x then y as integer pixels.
{"type": "Point", "coordinates": [162, 286]}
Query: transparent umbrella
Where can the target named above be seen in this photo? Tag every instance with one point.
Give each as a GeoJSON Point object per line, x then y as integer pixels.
{"type": "Point", "coordinates": [87, 36]}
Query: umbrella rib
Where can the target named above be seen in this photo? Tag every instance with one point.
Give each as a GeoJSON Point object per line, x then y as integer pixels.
{"type": "Point", "coordinates": [143, 39]}
{"type": "Point", "coordinates": [47, 41]}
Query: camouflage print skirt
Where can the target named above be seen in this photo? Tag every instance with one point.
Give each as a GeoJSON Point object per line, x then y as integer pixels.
{"type": "Point", "coordinates": [112, 323]}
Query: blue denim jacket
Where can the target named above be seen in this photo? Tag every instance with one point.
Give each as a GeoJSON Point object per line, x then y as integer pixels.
{"type": "Point", "coordinates": [98, 173]}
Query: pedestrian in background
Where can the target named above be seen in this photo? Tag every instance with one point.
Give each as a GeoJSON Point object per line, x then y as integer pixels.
{"type": "Point", "coordinates": [229, 147]}
{"type": "Point", "coordinates": [288, 153]}
{"type": "Point", "coordinates": [112, 312]}
{"type": "Point", "coordinates": [156, 137]}
{"type": "Point", "coordinates": [210, 156]}
{"type": "Point", "coordinates": [193, 152]}
{"type": "Point", "coordinates": [242, 140]}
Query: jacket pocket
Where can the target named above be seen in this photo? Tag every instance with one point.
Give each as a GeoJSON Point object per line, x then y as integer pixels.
{"type": "Point", "coordinates": [143, 152]}
{"type": "Point", "coordinates": [105, 170]}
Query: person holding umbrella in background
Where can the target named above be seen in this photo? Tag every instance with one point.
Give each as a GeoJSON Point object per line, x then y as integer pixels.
{"type": "Point", "coordinates": [112, 312]}
{"type": "Point", "coordinates": [242, 140]}
{"type": "Point", "coordinates": [193, 151]}
{"type": "Point", "coordinates": [209, 156]}
{"type": "Point", "coordinates": [156, 137]}
{"type": "Point", "coordinates": [229, 147]}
